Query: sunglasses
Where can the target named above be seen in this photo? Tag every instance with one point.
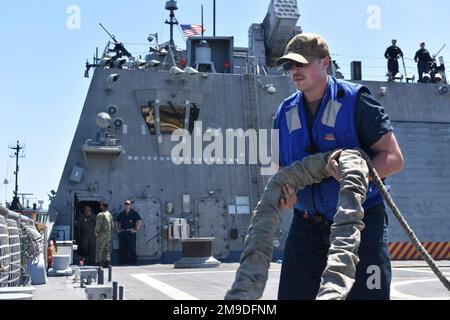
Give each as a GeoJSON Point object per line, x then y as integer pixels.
{"type": "Point", "coordinates": [291, 64]}
{"type": "Point", "coordinates": [128, 204]}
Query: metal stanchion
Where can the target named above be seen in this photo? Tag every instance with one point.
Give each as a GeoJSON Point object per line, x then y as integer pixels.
{"type": "Point", "coordinates": [110, 273]}
{"type": "Point", "coordinates": [101, 276]}
{"type": "Point", "coordinates": [115, 284]}
{"type": "Point", "coordinates": [121, 292]}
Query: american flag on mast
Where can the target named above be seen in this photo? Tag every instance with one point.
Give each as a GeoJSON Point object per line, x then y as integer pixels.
{"type": "Point", "coordinates": [190, 30]}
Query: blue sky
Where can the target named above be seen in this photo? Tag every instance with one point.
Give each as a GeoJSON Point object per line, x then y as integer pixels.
{"type": "Point", "coordinates": [42, 87]}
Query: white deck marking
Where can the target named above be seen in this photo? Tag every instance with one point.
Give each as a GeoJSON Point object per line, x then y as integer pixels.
{"type": "Point", "coordinates": [173, 292]}
{"type": "Point", "coordinates": [167, 290]}
{"type": "Point", "coordinates": [423, 271]}
{"type": "Point", "coordinates": [396, 294]}
{"type": "Point", "coordinates": [200, 272]}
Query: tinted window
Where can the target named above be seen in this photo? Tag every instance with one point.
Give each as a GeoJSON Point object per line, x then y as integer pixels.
{"type": "Point", "coordinates": [172, 118]}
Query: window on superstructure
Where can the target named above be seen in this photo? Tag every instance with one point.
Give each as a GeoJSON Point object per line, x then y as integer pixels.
{"type": "Point", "coordinates": [149, 117]}
{"type": "Point", "coordinates": [171, 118]}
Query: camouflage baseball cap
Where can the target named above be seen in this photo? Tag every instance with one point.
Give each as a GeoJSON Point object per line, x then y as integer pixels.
{"type": "Point", "coordinates": [304, 48]}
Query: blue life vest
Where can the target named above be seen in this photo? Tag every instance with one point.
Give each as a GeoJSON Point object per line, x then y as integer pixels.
{"type": "Point", "coordinates": [334, 128]}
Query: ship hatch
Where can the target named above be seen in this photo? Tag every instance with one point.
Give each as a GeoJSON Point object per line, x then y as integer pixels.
{"type": "Point", "coordinates": [78, 214]}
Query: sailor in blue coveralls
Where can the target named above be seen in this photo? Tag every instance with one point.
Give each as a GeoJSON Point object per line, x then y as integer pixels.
{"type": "Point", "coordinates": [324, 115]}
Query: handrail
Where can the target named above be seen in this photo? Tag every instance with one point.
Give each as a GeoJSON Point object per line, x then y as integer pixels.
{"type": "Point", "coordinates": [8, 214]}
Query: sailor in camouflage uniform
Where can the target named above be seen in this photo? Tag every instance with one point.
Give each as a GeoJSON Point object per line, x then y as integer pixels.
{"type": "Point", "coordinates": [103, 228]}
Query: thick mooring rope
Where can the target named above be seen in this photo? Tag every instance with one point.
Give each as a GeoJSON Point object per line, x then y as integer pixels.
{"type": "Point", "coordinates": [409, 232]}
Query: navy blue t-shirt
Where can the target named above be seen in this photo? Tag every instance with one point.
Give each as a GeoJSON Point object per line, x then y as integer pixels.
{"type": "Point", "coordinates": [372, 122]}
{"type": "Point", "coordinates": [128, 221]}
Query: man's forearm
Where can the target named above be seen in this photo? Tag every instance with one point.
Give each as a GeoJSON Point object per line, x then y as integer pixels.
{"type": "Point", "coordinates": [387, 164]}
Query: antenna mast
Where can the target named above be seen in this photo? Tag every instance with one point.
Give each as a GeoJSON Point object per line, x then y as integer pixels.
{"type": "Point", "coordinates": [171, 6]}
{"type": "Point", "coordinates": [214, 18]}
{"type": "Point", "coordinates": [15, 205]}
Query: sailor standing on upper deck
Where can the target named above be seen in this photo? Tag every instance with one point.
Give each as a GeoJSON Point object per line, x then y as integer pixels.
{"type": "Point", "coordinates": [324, 115]}
{"type": "Point", "coordinates": [424, 61]}
{"type": "Point", "coordinates": [393, 53]}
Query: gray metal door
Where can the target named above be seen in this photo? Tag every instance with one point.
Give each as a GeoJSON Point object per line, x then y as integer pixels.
{"type": "Point", "coordinates": [212, 222]}
{"type": "Point", "coordinates": [148, 240]}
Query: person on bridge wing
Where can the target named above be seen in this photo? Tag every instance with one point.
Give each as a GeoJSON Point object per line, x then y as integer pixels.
{"type": "Point", "coordinates": [424, 61]}
{"type": "Point", "coordinates": [393, 53]}
{"type": "Point", "coordinates": [128, 224]}
{"type": "Point", "coordinates": [323, 115]}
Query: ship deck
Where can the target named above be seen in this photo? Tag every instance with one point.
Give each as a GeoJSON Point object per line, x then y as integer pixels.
{"type": "Point", "coordinates": [412, 280]}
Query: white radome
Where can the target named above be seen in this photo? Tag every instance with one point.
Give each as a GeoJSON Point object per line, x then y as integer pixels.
{"type": "Point", "coordinates": [103, 120]}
